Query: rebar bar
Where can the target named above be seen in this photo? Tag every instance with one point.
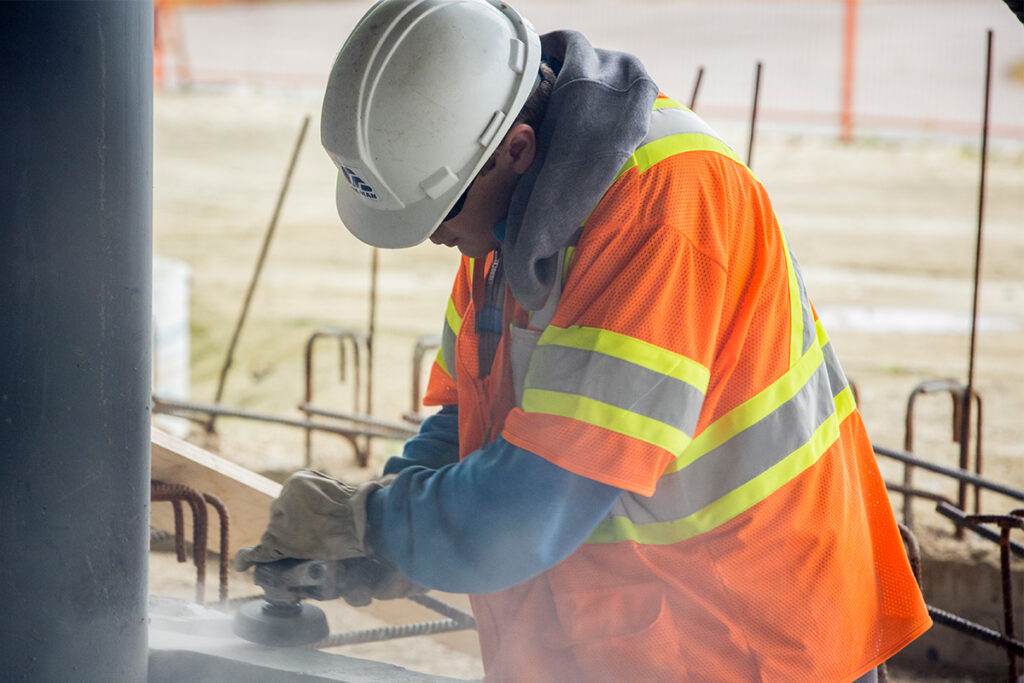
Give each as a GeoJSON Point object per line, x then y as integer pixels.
{"type": "Point", "coordinates": [179, 531]}
{"type": "Point", "coordinates": [978, 631]}
{"type": "Point", "coordinates": [225, 521]}
{"type": "Point", "coordinates": [981, 212]}
{"type": "Point", "coordinates": [958, 516]}
{"type": "Point", "coordinates": [965, 417]}
{"type": "Point", "coordinates": [222, 381]}
{"type": "Point", "coordinates": [458, 620]}
{"type": "Point", "coordinates": [696, 88]}
{"type": "Point", "coordinates": [344, 337]}
{"type": "Point", "coordinates": [917, 493]}
{"type": "Point", "coordinates": [188, 411]}
{"type": "Point", "coordinates": [753, 115]}
{"type": "Point", "coordinates": [1006, 523]}
{"type": "Point", "coordinates": [958, 393]}
{"type": "Point", "coordinates": [382, 429]}
{"type": "Point", "coordinates": [175, 494]}
{"type": "Point", "coordinates": [961, 475]}
{"type": "Point", "coordinates": [423, 345]}
{"type": "Point", "coordinates": [913, 549]}
{"type": "Point", "coordinates": [199, 542]}
{"type": "Point", "coordinates": [444, 609]}
{"type": "Point", "coordinates": [161, 491]}
{"type": "Point", "coordinates": [390, 633]}
{"type": "Point", "coordinates": [1007, 641]}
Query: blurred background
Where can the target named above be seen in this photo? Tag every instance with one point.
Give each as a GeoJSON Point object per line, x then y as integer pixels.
{"type": "Point", "coordinates": [868, 137]}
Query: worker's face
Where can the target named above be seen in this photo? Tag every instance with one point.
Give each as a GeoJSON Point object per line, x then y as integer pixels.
{"type": "Point", "coordinates": [487, 199]}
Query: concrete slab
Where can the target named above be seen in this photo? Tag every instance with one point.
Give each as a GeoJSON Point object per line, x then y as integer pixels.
{"type": "Point", "coordinates": [188, 642]}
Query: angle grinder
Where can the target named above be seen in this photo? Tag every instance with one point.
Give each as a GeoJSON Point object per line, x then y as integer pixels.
{"type": "Point", "coordinates": [281, 618]}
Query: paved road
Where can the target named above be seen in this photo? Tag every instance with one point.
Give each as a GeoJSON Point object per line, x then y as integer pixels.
{"type": "Point", "coordinates": [920, 64]}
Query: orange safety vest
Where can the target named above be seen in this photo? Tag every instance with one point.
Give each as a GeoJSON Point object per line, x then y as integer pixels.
{"type": "Point", "coordinates": [685, 364]}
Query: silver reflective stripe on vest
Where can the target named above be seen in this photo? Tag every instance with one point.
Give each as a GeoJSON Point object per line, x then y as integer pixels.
{"type": "Point", "coordinates": [616, 382]}
{"type": "Point", "coordinates": [810, 332]}
{"type": "Point", "coordinates": [740, 459]}
{"type": "Point", "coordinates": [448, 349]}
{"type": "Point", "coordinates": [523, 341]}
{"type": "Point", "coordinates": [669, 121]}
{"type": "Point", "coordinates": [836, 377]}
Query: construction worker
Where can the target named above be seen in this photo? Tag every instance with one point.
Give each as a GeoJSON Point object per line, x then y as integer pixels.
{"type": "Point", "coordinates": [648, 464]}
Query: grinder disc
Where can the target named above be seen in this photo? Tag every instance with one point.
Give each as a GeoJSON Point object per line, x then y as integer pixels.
{"type": "Point", "coordinates": [280, 625]}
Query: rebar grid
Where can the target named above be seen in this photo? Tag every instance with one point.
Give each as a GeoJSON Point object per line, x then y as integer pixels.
{"type": "Point", "coordinates": [457, 621]}
{"type": "Point", "coordinates": [1006, 640]}
{"type": "Point", "coordinates": [1006, 523]}
{"type": "Point", "coordinates": [175, 494]}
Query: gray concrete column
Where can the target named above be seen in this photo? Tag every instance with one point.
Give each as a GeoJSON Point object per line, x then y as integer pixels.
{"type": "Point", "coordinates": [76, 82]}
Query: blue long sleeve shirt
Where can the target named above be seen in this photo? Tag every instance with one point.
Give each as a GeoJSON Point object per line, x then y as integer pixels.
{"type": "Point", "coordinates": [491, 521]}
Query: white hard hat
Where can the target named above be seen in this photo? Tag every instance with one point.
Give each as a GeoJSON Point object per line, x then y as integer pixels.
{"type": "Point", "coordinates": [420, 95]}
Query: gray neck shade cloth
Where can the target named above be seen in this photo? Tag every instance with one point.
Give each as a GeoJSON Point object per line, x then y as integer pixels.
{"type": "Point", "coordinates": [598, 113]}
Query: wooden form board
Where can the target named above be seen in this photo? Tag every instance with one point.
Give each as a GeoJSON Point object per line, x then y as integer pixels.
{"type": "Point", "coordinates": [246, 494]}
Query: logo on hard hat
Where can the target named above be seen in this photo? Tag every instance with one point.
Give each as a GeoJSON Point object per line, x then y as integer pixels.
{"type": "Point", "coordinates": [358, 184]}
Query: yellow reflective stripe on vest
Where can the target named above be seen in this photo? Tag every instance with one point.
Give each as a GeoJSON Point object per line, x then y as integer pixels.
{"type": "Point", "coordinates": [449, 333]}
{"type": "Point", "coordinates": [606, 416]}
{"type": "Point", "coordinates": [452, 318]}
{"type": "Point", "coordinates": [668, 103]}
{"type": "Point", "coordinates": [616, 382]}
{"type": "Point", "coordinates": [628, 348]}
{"type": "Point", "coordinates": [751, 411]}
{"type": "Point", "coordinates": [674, 129]}
{"type": "Point", "coordinates": [748, 453]}
{"type": "Point", "coordinates": [743, 470]}
{"type": "Point", "coordinates": [441, 362]}
{"type": "Point", "coordinates": [649, 155]}
{"type": "Point", "coordinates": [620, 528]}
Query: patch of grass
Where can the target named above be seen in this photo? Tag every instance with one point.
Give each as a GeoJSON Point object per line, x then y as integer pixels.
{"type": "Point", "coordinates": [898, 370]}
{"type": "Point", "coordinates": [1016, 71]}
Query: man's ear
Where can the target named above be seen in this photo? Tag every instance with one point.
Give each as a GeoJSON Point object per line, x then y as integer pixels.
{"type": "Point", "coordinates": [522, 147]}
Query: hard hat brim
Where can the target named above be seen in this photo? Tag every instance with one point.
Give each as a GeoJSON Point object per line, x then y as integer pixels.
{"type": "Point", "coordinates": [384, 229]}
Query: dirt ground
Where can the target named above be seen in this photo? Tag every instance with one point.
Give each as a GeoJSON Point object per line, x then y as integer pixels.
{"type": "Point", "coordinates": [883, 231]}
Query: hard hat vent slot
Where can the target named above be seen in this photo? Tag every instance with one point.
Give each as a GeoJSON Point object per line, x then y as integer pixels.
{"type": "Point", "coordinates": [439, 182]}
{"type": "Point", "coordinates": [517, 55]}
{"type": "Point", "coordinates": [492, 129]}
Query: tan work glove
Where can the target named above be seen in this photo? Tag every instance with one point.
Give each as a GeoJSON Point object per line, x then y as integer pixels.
{"type": "Point", "coordinates": [315, 518]}
{"type": "Point", "coordinates": [373, 579]}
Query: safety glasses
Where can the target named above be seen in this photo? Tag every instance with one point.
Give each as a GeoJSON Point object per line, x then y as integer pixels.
{"type": "Point", "coordinates": [458, 203]}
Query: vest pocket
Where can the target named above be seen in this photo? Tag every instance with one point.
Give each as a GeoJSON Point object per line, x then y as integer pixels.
{"type": "Point", "coordinates": [522, 342]}
{"type": "Point", "coordinates": [614, 612]}
{"type": "Point", "coordinates": [621, 633]}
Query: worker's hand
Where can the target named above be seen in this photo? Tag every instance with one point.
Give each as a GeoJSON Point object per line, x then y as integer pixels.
{"type": "Point", "coordinates": [368, 579]}
{"type": "Point", "coordinates": [315, 518]}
